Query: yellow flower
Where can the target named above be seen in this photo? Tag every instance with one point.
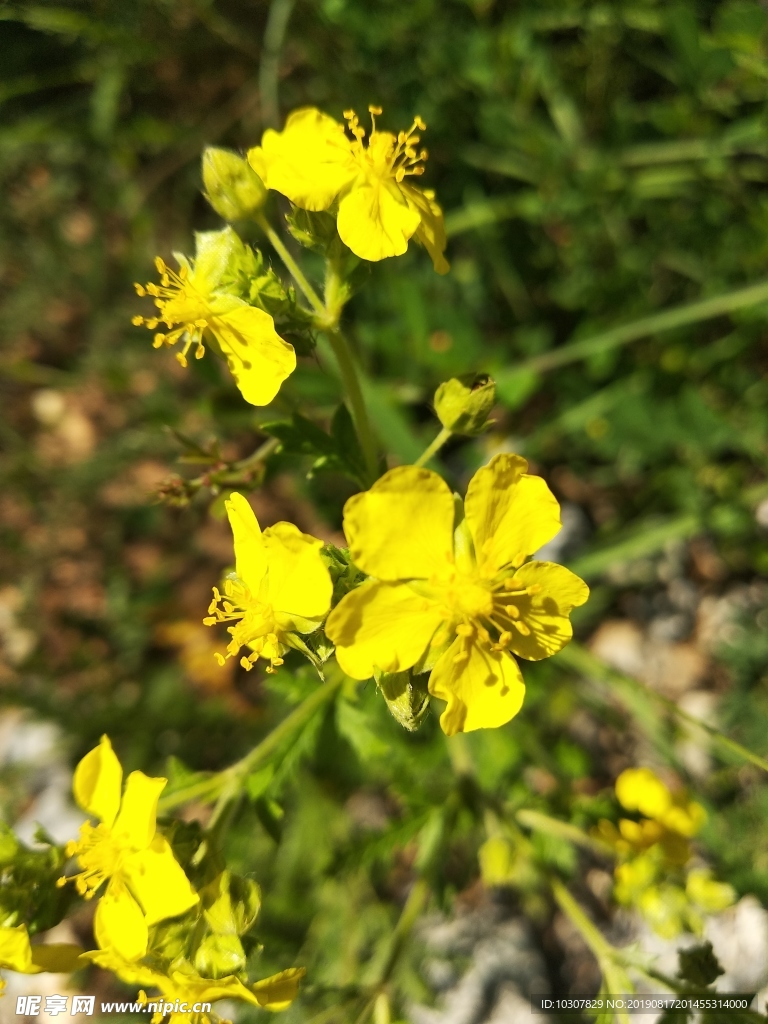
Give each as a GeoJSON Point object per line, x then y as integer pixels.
{"type": "Point", "coordinates": [281, 587]}
{"type": "Point", "coordinates": [638, 789]}
{"type": "Point", "coordinates": [316, 164]}
{"type": "Point", "coordinates": [456, 601]}
{"type": "Point", "coordinates": [274, 993]}
{"type": "Point", "coordinates": [18, 954]}
{"type": "Point", "coordinates": [193, 309]}
{"type": "Point", "coordinates": [145, 884]}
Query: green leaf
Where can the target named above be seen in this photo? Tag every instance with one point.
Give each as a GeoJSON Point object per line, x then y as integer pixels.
{"type": "Point", "coordinates": [353, 724]}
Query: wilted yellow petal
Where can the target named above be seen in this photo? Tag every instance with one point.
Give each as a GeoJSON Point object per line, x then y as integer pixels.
{"type": "Point", "coordinates": [278, 992]}
{"type": "Point", "coordinates": [375, 223]}
{"type": "Point", "coordinates": [119, 923]}
{"type": "Point", "coordinates": [158, 882]}
{"type": "Point", "coordinates": [483, 691]}
{"type": "Point", "coordinates": [250, 552]}
{"type": "Point", "coordinates": [381, 625]}
{"type": "Point", "coordinates": [310, 161]}
{"type": "Point", "coordinates": [509, 513]}
{"type": "Point", "coordinates": [402, 528]}
{"type": "Point", "coordinates": [299, 582]}
{"type": "Point", "coordinates": [545, 613]}
{"type": "Point", "coordinates": [431, 230]}
{"type": "Point", "coordinates": [57, 957]}
{"type": "Point", "coordinates": [135, 824]}
{"type": "Point", "coordinates": [97, 782]}
{"type": "Point", "coordinates": [257, 356]}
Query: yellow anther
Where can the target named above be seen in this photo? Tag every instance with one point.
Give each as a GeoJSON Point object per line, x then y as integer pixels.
{"type": "Point", "coordinates": [518, 560]}
{"type": "Point", "coordinates": [522, 628]}
{"type": "Point", "coordinates": [376, 111]}
{"type": "Point", "coordinates": [464, 629]}
{"type": "Point", "coordinates": [246, 664]}
{"type": "Point", "coordinates": [512, 584]}
{"type": "Point", "coordinates": [159, 265]}
{"type": "Point", "coordinates": [220, 658]}
{"type": "Point", "coordinates": [534, 589]}
{"type": "Point", "coordinates": [512, 611]}
{"type": "Point", "coordinates": [137, 321]}
{"type": "Point", "coordinates": [505, 637]}
{"type": "Point", "coordinates": [461, 656]}
{"type": "Point", "coordinates": [419, 123]}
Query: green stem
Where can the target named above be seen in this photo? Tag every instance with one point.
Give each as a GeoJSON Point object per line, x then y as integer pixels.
{"type": "Point", "coordinates": [539, 822]}
{"type": "Point", "coordinates": [432, 449]}
{"type": "Point", "coordinates": [678, 316]}
{"type": "Point", "coordinates": [351, 382]}
{"type": "Point", "coordinates": [292, 266]}
{"type": "Point", "coordinates": [585, 662]}
{"type": "Point", "coordinates": [328, 317]}
{"type": "Point", "coordinates": [230, 779]}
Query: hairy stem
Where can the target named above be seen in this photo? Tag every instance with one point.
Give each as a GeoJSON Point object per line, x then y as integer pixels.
{"type": "Point", "coordinates": [292, 266]}
{"type": "Point", "coordinates": [354, 393]}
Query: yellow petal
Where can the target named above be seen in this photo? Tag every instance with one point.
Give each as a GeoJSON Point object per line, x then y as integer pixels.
{"type": "Point", "coordinates": [15, 950]}
{"type": "Point", "coordinates": [57, 957]}
{"type": "Point", "coordinates": [278, 992]}
{"type": "Point", "coordinates": [431, 230]}
{"type": "Point", "coordinates": [299, 582]}
{"type": "Point", "coordinates": [135, 824]}
{"type": "Point", "coordinates": [257, 356]}
{"type": "Point", "coordinates": [381, 625]}
{"type": "Point", "coordinates": [402, 528]}
{"type": "Point", "coordinates": [119, 923]}
{"type": "Point", "coordinates": [509, 513]}
{"type": "Point", "coordinates": [250, 551]}
{"type": "Point", "coordinates": [310, 161]}
{"type": "Point", "coordinates": [483, 691]}
{"type": "Point", "coordinates": [158, 881]}
{"type": "Point", "coordinates": [546, 612]}
{"type": "Point", "coordinates": [374, 223]}
{"type": "Point", "coordinates": [638, 789]}
{"type": "Point", "coordinates": [97, 782]}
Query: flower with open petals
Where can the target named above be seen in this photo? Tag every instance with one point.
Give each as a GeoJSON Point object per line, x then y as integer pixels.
{"type": "Point", "coordinates": [280, 588]}
{"type": "Point", "coordinates": [18, 954]}
{"type": "Point", "coordinates": [315, 163]}
{"type": "Point", "coordinates": [456, 599]}
{"type": "Point", "coordinates": [194, 308]}
{"type": "Point", "coordinates": [145, 884]}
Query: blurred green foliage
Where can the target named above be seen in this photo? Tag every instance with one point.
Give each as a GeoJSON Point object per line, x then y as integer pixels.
{"type": "Point", "coordinates": [598, 162]}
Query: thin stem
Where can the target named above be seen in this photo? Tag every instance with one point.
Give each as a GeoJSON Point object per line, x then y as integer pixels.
{"type": "Point", "coordinates": [432, 449]}
{"type": "Point", "coordinates": [230, 779]}
{"type": "Point", "coordinates": [540, 822]}
{"type": "Point", "coordinates": [583, 661]}
{"type": "Point", "coordinates": [274, 34]}
{"type": "Point", "coordinates": [292, 266]}
{"type": "Point", "coordinates": [354, 393]}
{"type": "Point", "coordinates": [678, 316]}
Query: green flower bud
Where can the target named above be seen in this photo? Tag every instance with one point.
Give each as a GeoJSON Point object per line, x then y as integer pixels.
{"type": "Point", "coordinates": [233, 189]}
{"type": "Point", "coordinates": [464, 403]}
{"type": "Point", "coordinates": [406, 696]}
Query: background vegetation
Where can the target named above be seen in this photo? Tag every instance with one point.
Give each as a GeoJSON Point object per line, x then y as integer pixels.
{"type": "Point", "coordinates": [599, 164]}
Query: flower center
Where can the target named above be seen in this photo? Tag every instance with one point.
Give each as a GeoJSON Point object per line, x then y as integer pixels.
{"type": "Point", "coordinates": [99, 856]}
{"type": "Point", "coordinates": [386, 156]}
{"type": "Point", "coordinates": [178, 302]}
{"type": "Point", "coordinates": [255, 625]}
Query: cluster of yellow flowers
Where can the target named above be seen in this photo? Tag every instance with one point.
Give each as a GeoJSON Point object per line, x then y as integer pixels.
{"type": "Point", "coordinates": [449, 588]}
{"type": "Point", "coordinates": [656, 870]}
{"type": "Point", "coordinates": [125, 859]}
{"type": "Point", "coordinates": [318, 166]}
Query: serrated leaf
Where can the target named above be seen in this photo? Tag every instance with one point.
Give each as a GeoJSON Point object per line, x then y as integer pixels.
{"type": "Point", "coordinates": [353, 724]}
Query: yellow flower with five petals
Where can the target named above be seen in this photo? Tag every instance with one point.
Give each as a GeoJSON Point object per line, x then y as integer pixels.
{"type": "Point", "coordinates": [194, 308]}
{"type": "Point", "coordinates": [280, 588]}
{"type": "Point", "coordinates": [315, 163]}
{"type": "Point", "coordinates": [145, 883]}
{"type": "Point", "coordinates": [456, 599]}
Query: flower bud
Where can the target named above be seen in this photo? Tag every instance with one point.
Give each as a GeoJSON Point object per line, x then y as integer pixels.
{"type": "Point", "coordinates": [406, 696]}
{"type": "Point", "coordinates": [233, 189]}
{"type": "Point", "coordinates": [464, 403]}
